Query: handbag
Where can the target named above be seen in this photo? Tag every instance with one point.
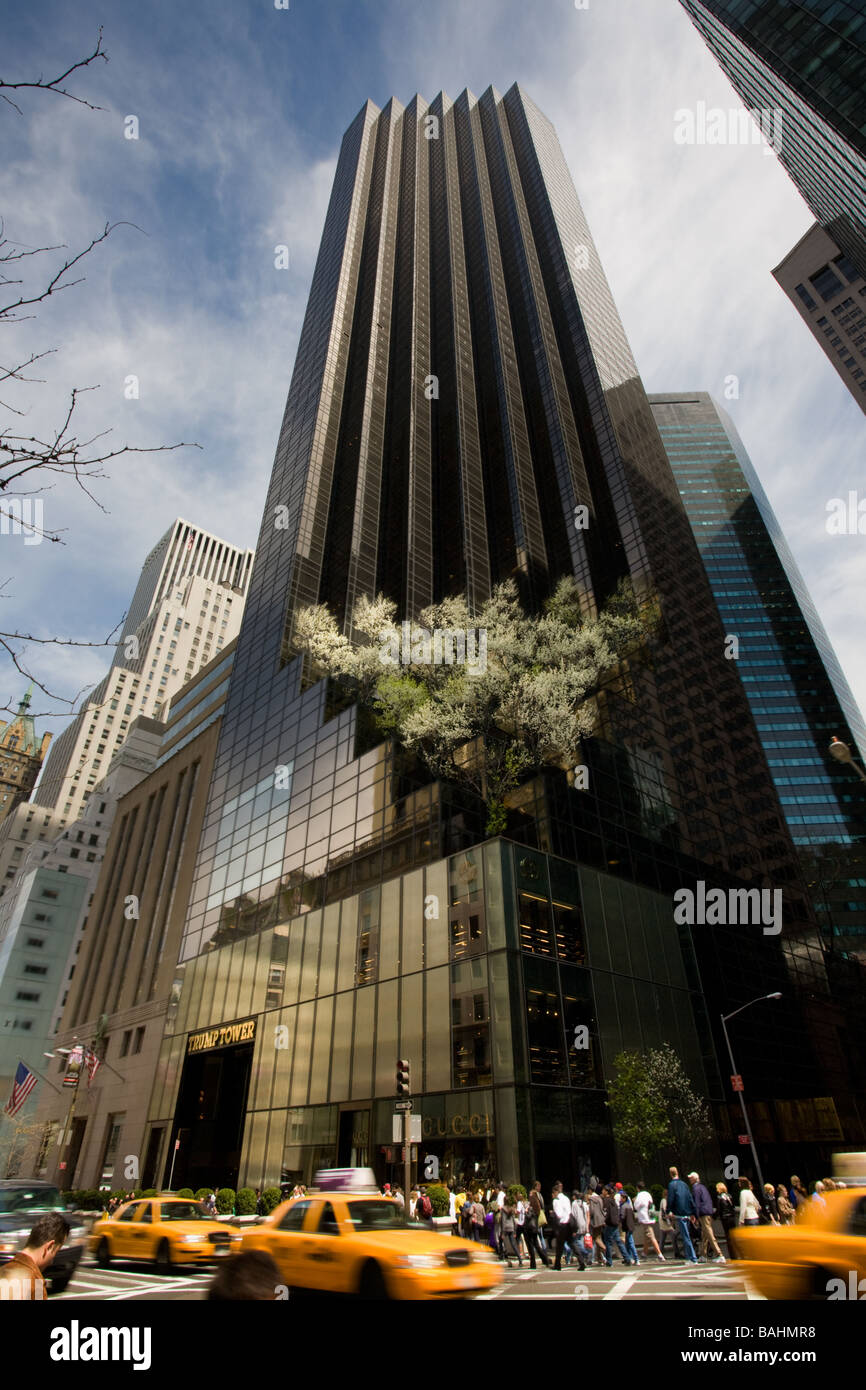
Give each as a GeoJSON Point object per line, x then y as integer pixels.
{"type": "Point", "coordinates": [587, 1241]}
{"type": "Point", "coordinates": [542, 1219]}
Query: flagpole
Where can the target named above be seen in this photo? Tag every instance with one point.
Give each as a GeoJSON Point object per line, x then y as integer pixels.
{"type": "Point", "coordinates": [41, 1077]}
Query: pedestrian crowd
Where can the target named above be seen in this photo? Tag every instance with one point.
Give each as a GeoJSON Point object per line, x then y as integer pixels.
{"type": "Point", "coordinates": [608, 1222]}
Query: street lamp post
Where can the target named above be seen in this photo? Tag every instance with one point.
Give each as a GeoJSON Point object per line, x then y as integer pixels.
{"type": "Point", "coordinates": [842, 753]}
{"type": "Point", "coordinates": [725, 1018]}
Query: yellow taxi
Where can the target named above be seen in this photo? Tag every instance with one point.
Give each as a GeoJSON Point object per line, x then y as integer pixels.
{"type": "Point", "coordinates": [822, 1256]}
{"type": "Point", "coordinates": [350, 1242]}
{"type": "Point", "coordinates": [165, 1231]}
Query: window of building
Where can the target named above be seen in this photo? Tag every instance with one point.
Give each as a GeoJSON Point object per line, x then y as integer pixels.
{"type": "Point", "coordinates": [124, 1042]}
{"type": "Point", "coordinates": [139, 1040]}
{"type": "Point", "coordinates": [27, 997]}
{"type": "Point", "coordinates": [805, 296]}
{"type": "Point", "coordinates": [35, 941]}
{"type": "Point", "coordinates": [826, 283]}
{"type": "Point", "coordinates": [36, 969]}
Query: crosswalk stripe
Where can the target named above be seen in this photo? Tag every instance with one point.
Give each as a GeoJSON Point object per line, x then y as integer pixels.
{"type": "Point", "coordinates": [620, 1289]}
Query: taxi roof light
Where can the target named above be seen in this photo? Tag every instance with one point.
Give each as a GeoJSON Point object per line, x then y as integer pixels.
{"type": "Point", "coordinates": [360, 1180]}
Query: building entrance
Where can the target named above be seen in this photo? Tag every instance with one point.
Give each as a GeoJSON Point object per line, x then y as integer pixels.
{"type": "Point", "coordinates": [209, 1119]}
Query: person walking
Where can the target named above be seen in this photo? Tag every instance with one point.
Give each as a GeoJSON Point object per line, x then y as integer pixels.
{"type": "Point", "coordinates": [727, 1213]}
{"type": "Point", "coordinates": [750, 1211]}
{"type": "Point", "coordinates": [628, 1222]}
{"type": "Point", "coordinates": [769, 1206]}
{"type": "Point", "coordinates": [818, 1196]}
{"type": "Point", "coordinates": [797, 1196]}
{"type": "Point", "coordinates": [21, 1277]}
{"type": "Point", "coordinates": [479, 1216]}
{"type": "Point", "coordinates": [612, 1235]}
{"type": "Point", "coordinates": [510, 1248]}
{"type": "Point", "coordinates": [705, 1212]}
{"type": "Point", "coordinates": [596, 1226]}
{"type": "Point", "coordinates": [579, 1226]}
{"type": "Point", "coordinates": [682, 1208]}
{"type": "Point", "coordinates": [562, 1218]}
{"type": "Point", "coordinates": [534, 1205]}
{"type": "Point", "coordinates": [645, 1212]}
{"type": "Point", "coordinates": [783, 1205]}
{"type": "Point", "coordinates": [667, 1227]}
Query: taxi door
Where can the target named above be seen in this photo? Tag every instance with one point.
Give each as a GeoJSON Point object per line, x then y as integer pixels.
{"type": "Point", "coordinates": [283, 1243]}
{"type": "Point", "coordinates": [123, 1243]}
{"type": "Point", "coordinates": [323, 1257]}
{"type": "Point", "coordinates": [140, 1233]}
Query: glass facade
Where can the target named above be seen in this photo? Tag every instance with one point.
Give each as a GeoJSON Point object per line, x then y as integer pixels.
{"type": "Point", "coordinates": [509, 978]}
{"type": "Point", "coordinates": [805, 59]}
{"type": "Point", "coordinates": [792, 679]}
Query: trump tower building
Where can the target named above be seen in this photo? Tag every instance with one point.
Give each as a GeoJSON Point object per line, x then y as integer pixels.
{"type": "Point", "coordinates": [462, 385]}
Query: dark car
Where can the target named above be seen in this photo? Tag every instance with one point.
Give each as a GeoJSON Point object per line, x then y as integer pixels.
{"type": "Point", "coordinates": [22, 1202]}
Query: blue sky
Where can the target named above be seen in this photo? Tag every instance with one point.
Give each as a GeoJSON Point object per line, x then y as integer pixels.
{"type": "Point", "coordinates": [241, 108]}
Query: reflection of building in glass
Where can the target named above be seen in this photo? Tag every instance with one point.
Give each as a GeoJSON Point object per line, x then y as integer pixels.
{"type": "Point", "coordinates": [793, 682]}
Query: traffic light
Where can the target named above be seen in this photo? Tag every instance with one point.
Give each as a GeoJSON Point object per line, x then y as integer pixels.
{"type": "Point", "coordinates": [402, 1078]}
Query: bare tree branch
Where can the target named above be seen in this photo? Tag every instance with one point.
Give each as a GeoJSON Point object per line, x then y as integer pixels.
{"type": "Point", "coordinates": [54, 84]}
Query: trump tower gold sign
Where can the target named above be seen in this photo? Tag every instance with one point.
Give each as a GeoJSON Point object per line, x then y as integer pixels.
{"type": "Point", "coordinates": [225, 1036]}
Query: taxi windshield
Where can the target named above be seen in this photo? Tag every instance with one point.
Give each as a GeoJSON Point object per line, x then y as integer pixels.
{"type": "Point", "coordinates": [183, 1211]}
{"type": "Point", "coordinates": [374, 1216]}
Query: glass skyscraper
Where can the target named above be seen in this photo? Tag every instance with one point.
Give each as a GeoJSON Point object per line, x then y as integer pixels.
{"type": "Point", "coordinates": [805, 59]}
{"type": "Point", "coordinates": [793, 682]}
{"type": "Point", "coordinates": [462, 386]}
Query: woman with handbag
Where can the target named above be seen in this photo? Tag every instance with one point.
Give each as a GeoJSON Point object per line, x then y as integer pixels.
{"type": "Point", "coordinates": [534, 1208]}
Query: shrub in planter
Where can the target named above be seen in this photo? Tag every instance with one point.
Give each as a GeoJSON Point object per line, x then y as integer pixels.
{"type": "Point", "coordinates": [246, 1202]}
{"type": "Point", "coordinates": [440, 1198]}
{"type": "Point", "coordinates": [185, 1192]}
{"type": "Point", "coordinates": [657, 1192]}
{"type": "Point", "coordinates": [515, 1193]}
{"type": "Point", "coordinates": [202, 1193]}
{"type": "Point", "coordinates": [225, 1201]}
{"type": "Point", "coordinates": [271, 1198]}
{"type": "Point", "coordinates": [630, 1188]}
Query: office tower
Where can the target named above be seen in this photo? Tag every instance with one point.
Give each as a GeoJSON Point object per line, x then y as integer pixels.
{"type": "Point", "coordinates": [793, 682]}
{"type": "Point", "coordinates": [21, 757]}
{"type": "Point", "coordinates": [805, 62]}
{"type": "Point", "coordinates": [829, 293]}
{"type": "Point", "coordinates": [43, 916]}
{"type": "Point", "coordinates": [187, 606]}
{"type": "Point", "coordinates": [125, 967]}
{"type": "Point", "coordinates": [462, 387]}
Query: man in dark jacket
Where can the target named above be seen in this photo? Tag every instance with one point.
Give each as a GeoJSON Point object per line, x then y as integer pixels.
{"type": "Point", "coordinates": [611, 1233]}
{"type": "Point", "coordinates": [682, 1208]}
{"type": "Point", "coordinates": [704, 1210]}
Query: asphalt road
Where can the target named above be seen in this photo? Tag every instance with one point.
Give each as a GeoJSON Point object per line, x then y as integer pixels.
{"type": "Point", "coordinates": [123, 1282]}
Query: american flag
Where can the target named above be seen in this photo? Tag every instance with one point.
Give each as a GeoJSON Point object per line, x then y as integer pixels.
{"type": "Point", "coordinates": [21, 1088]}
{"type": "Point", "coordinates": [92, 1064]}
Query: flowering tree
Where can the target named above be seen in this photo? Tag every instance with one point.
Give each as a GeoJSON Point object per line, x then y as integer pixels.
{"type": "Point", "coordinates": [654, 1109]}
{"type": "Point", "coordinates": [492, 721]}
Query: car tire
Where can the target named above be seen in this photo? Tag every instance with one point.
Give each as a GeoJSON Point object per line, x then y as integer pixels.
{"type": "Point", "coordinates": [163, 1258]}
{"type": "Point", "coordinates": [372, 1285]}
{"type": "Point", "coordinates": [103, 1254]}
{"type": "Point", "coordinates": [59, 1282]}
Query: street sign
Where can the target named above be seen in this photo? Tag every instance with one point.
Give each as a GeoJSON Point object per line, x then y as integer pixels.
{"type": "Point", "coordinates": [402, 1105]}
{"type": "Point", "coordinates": [743, 1138]}
{"type": "Point", "coordinates": [415, 1135]}
{"type": "Point", "coordinates": [737, 1083]}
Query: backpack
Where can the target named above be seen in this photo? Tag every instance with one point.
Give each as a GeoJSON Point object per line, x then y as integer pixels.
{"type": "Point", "coordinates": [425, 1206]}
